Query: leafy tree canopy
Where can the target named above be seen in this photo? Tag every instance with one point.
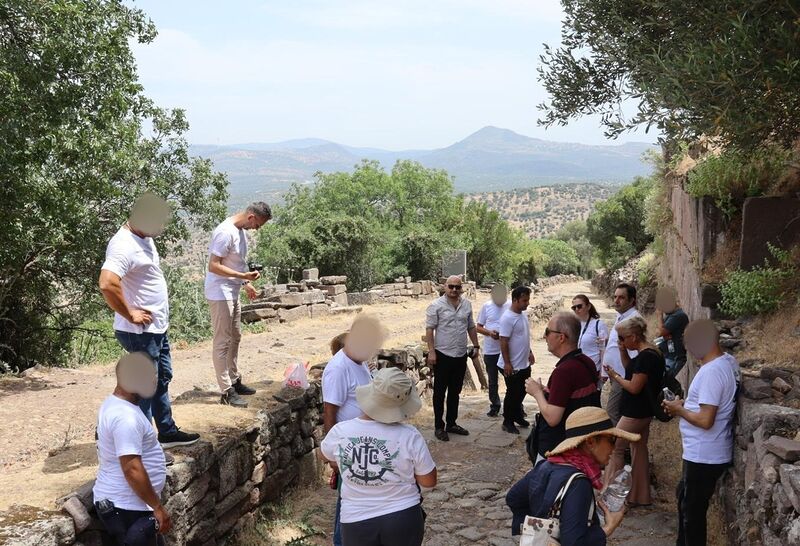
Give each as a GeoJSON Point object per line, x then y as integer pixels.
{"type": "Point", "coordinates": [79, 142]}
{"type": "Point", "coordinates": [725, 69]}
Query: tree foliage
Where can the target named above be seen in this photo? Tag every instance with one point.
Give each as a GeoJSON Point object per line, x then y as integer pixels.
{"type": "Point", "coordinates": [616, 226]}
{"type": "Point", "coordinates": [725, 69]}
{"type": "Point", "coordinates": [79, 142]}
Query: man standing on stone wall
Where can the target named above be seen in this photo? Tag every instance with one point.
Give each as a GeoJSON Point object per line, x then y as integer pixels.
{"type": "Point", "coordinates": [448, 322]}
{"type": "Point", "coordinates": [227, 273]}
{"type": "Point", "coordinates": [134, 286]}
{"type": "Point", "coordinates": [625, 305]}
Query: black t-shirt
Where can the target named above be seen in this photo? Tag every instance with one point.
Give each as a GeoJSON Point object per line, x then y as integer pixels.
{"type": "Point", "coordinates": [640, 405]}
{"type": "Point", "coordinates": [675, 323]}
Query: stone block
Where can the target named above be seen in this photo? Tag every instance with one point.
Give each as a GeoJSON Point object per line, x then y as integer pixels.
{"type": "Point", "coordinates": [294, 397]}
{"type": "Point", "coordinates": [333, 279]}
{"type": "Point", "coordinates": [755, 388]}
{"type": "Point", "coordinates": [314, 296]}
{"type": "Point", "coordinates": [295, 313]}
{"type": "Point", "coordinates": [289, 299]}
{"type": "Point", "coordinates": [362, 298]}
{"type": "Point", "coordinates": [338, 299]}
{"type": "Point", "coordinates": [80, 515]}
{"type": "Point", "coordinates": [235, 467]}
{"type": "Point", "coordinates": [416, 288]}
{"type": "Point", "coordinates": [201, 533]}
{"type": "Point", "coordinates": [310, 468]}
{"type": "Point", "coordinates": [259, 473]}
{"type": "Point", "coordinates": [256, 315]}
{"type": "Point", "coordinates": [347, 309]}
{"type": "Point", "coordinates": [334, 289]}
{"type": "Point", "coordinates": [753, 415]}
{"type": "Point", "coordinates": [280, 415]}
{"type": "Point", "coordinates": [197, 489]}
{"type": "Point", "coordinates": [320, 310]}
{"type": "Point", "coordinates": [200, 511]}
{"type": "Point", "coordinates": [275, 484]}
{"type": "Point", "coordinates": [25, 525]}
{"type": "Point", "coordinates": [770, 374]}
{"type": "Point", "coordinates": [298, 447]}
{"type": "Point", "coordinates": [774, 220]}
{"type": "Point", "coordinates": [311, 274]}
{"type": "Point", "coordinates": [788, 450]}
{"type": "Point", "coordinates": [790, 479]}
{"type": "Point", "coordinates": [781, 385]}
{"type": "Point", "coordinates": [234, 498]}
{"type": "Point", "coordinates": [781, 500]}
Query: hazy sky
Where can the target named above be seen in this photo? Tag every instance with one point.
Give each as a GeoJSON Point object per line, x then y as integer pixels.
{"type": "Point", "coordinates": [397, 75]}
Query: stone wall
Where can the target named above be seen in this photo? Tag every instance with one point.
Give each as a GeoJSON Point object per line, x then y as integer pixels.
{"type": "Point", "coordinates": [214, 489]}
{"type": "Point", "coordinates": [761, 495]}
{"type": "Point", "coordinates": [401, 290]}
{"type": "Point", "coordinates": [547, 282]}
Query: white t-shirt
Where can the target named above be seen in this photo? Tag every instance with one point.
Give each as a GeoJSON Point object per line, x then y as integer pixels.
{"type": "Point", "coordinates": [377, 463]}
{"type": "Point", "coordinates": [122, 429]}
{"type": "Point", "coordinates": [611, 356]}
{"type": "Point", "coordinates": [489, 317]}
{"type": "Point", "coordinates": [339, 381]}
{"type": "Point", "coordinates": [229, 243]}
{"type": "Point", "coordinates": [714, 385]}
{"type": "Point", "coordinates": [590, 332]}
{"type": "Point", "coordinates": [135, 260]}
{"type": "Point", "coordinates": [515, 327]}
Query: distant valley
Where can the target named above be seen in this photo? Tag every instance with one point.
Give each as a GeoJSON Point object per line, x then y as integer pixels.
{"type": "Point", "coordinates": [489, 160]}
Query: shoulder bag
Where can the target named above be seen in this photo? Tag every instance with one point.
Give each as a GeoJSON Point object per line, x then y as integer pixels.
{"type": "Point", "coordinates": [547, 531]}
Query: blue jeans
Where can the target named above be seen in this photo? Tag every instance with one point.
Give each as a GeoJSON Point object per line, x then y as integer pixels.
{"type": "Point", "coordinates": [157, 346]}
{"type": "Point", "coordinates": [131, 527]}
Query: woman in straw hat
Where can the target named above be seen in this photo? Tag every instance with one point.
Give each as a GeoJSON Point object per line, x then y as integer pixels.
{"type": "Point", "coordinates": [383, 463]}
{"type": "Point", "coordinates": [590, 438]}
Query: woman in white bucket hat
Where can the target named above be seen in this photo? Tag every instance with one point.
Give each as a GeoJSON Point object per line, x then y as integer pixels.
{"type": "Point", "coordinates": [383, 463]}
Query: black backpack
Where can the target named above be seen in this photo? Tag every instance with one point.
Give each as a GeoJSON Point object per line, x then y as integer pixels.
{"type": "Point", "coordinates": [667, 380]}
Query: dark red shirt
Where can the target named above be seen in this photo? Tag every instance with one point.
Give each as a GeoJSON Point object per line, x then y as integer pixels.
{"type": "Point", "coordinates": [575, 376]}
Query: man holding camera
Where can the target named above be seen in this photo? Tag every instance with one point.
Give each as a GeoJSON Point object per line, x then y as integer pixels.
{"type": "Point", "coordinates": [227, 273]}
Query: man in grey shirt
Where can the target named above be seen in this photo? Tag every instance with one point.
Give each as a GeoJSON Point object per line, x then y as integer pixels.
{"type": "Point", "coordinates": [448, 322]}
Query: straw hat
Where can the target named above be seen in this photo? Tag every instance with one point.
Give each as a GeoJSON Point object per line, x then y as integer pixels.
{"type": "Point", "coordinates": [390, 397]}
{"type": "Point", "coordinates": [587, 422]}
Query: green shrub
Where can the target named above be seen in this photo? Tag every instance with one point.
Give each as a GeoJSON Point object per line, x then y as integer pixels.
{"type": "Point", "coordinates": [646, 269]}
{"type": "Point", "coordinates": [732, 176]}
{"type": "Point", "coordinates": [746, 293]}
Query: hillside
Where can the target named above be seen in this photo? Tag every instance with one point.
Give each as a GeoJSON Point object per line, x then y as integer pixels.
{"type": "Point", "coordinates": [491, 159]}
{"type": "Point", "coordinates": [542, 210]}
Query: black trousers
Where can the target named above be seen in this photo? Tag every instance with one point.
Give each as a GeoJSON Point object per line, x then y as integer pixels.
{"type": "Point", "coordinates": [403, 528]}
{"type": "Point", "coordinates": [130, 527]}
{"type": "Point", "coordinates": [515, 394]}
{"type": "Point", "coordinates": [695, 489]}
{"type": "Point", "coordinates": [448, 378]}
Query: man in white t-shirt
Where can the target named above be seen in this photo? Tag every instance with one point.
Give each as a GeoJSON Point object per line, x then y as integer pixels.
{"type": "Point", "coordinates": [488, 325]}
{"type": "Point", "coordinates": [516, 357]}
{"type": "Point", "coordinates": [625, 305]}
{"type": "Point", "coordinates": [706, 423]}
{"type": "Point", "coordinates": [132, 469]}
{"type": "Point", "coordinates": [344, 373]}
{"type": "Point", "coordinates": [134, 287]}
{"type": "Point", "coordinates": [228, 271]}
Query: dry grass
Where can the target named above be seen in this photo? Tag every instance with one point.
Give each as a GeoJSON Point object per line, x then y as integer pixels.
{"type": "Point", "coordinates": [725, 259]}
{"type": "Point", "coordinates": [775, 338]}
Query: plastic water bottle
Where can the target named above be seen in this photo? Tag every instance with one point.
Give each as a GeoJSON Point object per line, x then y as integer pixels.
{"type": "Point", "coordinates": [617, 491]}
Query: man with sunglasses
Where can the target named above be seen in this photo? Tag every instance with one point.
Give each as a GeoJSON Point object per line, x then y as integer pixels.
{"type": "Point", "coordinates": [448, 322]}
{"type": "Point", "coordinates": [572, 385]}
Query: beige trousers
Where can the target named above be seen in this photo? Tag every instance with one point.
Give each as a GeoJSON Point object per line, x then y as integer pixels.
{"type": "Point", "coordinates": [640, 459]}
{"type": "Point", "coordinates": [613, 400]}
{"type": "Point", "coordinates": [226, 321]}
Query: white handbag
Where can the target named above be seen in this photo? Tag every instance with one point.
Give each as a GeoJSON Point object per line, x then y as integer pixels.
{"type": "Point", "coordinates": [547, 531]}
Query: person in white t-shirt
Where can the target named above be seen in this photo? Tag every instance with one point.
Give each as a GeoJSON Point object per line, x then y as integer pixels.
{"type": "Point", "coordinates": [383, 463]}
{"type": "Point", "coordinates": [516, 357]}
{"type": "Point", "coordinates": [344, 373]}
{"type": "Point", "coordinates": [706, 423]}
{"type": "Point", "coordinates": [132, 469]}
{"type": "Point", "coordinates": [228, 271]}
{"type": "Point", "coordinates": [134, 287]}
{"type": "Point", "coordinates": [488, 325]}
{"type": "Point", "coordinates": [594, 331]}
{"type": "Point", "coordinates": [625, 305]}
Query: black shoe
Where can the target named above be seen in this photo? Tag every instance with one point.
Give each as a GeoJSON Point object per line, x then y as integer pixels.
{"type": "Point", "coordinates": [522, 423]}
{"type": "Point", "coordinates": [168, 459]}
{"type": "Point", "coordinates": [493, 413]}
{"type": "Point", "coordinates": [177, 438]}
{"type": "Point", "coordinates": [241, 388]}
{"type": "Point", "coordinates": [455, 429]}
{"type": "Point", "coordinates": [441, 435]}
{"type": "Point", "coordinates": [231, 398]}
{"type": "Point", "coordinates": [510, 428]}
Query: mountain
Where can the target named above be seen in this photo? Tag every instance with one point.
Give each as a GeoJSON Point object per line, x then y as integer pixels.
{"type": "Point", "coordinates": [491, 159]}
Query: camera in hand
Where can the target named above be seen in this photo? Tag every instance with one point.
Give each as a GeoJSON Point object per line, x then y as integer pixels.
{"type": "Point", "coordinates": [255, 266]}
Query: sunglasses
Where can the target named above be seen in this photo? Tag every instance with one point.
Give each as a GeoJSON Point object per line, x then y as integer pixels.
{"type": "Point", "coordinates": [577, 307]}
{"type": "Point", "coordinates": [454, 286]}
{"type": "Point", "coordinates": [548, 331]}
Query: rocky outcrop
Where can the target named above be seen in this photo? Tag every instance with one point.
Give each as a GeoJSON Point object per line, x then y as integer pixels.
{"type": "Point", "coordinates": [215, 487]}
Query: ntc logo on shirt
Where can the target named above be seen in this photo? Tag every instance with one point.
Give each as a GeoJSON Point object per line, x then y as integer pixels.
{"type": "Point", "coordinates": [365, 460]}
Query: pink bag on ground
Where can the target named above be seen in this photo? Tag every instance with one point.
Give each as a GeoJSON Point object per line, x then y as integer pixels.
{"type": "Point", "coordinates": [296, 376]}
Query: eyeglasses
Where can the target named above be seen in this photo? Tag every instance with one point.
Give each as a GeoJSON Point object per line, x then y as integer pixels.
{"type": "Point", "coordinates": [548, 331]}
{"type": "Point", "coordinates": [577, 307]}
{"type": "Point", "coordinates": [454, 286]}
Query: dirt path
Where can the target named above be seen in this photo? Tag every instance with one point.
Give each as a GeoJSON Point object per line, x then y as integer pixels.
{"type": "Point", "coordinates": [475, 472]}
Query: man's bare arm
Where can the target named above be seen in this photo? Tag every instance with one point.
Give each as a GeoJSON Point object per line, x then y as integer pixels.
{"type": "Point", "coordinates": [329, 413]}
{"type": "Point", "coordinates": [137, 478]}
{"type": "Point", "coordinates": [111, 287]}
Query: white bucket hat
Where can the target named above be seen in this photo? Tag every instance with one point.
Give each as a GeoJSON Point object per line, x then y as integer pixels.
{"type": "Point", "coordinates": [390, 398]}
